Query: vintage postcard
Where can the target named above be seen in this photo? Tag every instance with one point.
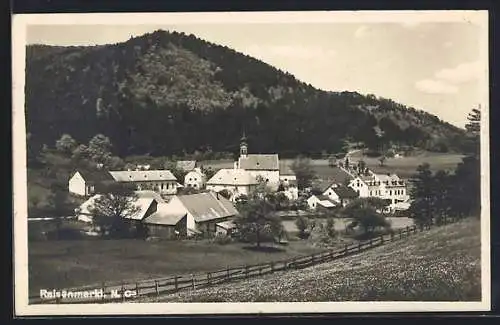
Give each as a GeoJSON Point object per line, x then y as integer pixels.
{"type": "Point", "coordinates": [259, 162]}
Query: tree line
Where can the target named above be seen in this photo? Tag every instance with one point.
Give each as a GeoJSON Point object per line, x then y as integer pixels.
{"type": "Point", "coordinates": [165, 94]}
{"type": "Point", "coordinates": [444, 194]}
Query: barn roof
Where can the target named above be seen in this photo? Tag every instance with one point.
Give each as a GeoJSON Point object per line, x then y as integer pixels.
{"type": "Point", "coordinates": [164, 216]}
{"type": "Point", "coordinates": [345, 192]}
{"type": "Point", "coordinates": [208, 206]}
{"type": "Point", "coordinates": [142, 175]}
{"type": "Point", "coordinates": [233, 176]}
{"type": "Point", "coordinates": [141, 204]}
{"type": "Point", "coordinates": [259, 162]}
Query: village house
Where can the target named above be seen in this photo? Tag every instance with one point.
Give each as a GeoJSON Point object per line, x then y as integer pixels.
{"type": "Point", "coordinates": [161, 181]}
{"type": "Point", "coordinates": [146, 204]}
{"type": "Point", "coordinates": [320, 203]}
{"type": "Point", "coordinates": [84, 182]}
{"type": "Point", "coordinates": [195, 179]}
{"type": "Point", "coordinates": [236, 181]}
{"type": "Point", "coordinates": [188, 215]}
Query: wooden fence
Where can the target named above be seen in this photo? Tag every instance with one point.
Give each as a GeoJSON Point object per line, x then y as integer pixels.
{"type": "Point", "coordinates": [121, 291]}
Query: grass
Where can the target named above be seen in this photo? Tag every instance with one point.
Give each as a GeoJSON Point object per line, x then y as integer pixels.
{"type": "Point", "coordinates": [405, 167]}
{"type": "Point", "coordinates": [63, 264]}
{"type": "Point", "coordinates": [442, 264]}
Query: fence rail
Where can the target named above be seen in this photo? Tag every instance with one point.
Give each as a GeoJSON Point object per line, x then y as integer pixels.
{"type": "Point", "coordinates": [121, 291]}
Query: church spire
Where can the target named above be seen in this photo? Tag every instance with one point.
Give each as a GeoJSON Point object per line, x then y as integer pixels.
{"type": "Point", "coordinates": [243, 145]}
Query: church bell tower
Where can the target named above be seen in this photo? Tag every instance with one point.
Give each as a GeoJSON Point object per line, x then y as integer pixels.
{"type": "Point", "coordinates": [243, 146]}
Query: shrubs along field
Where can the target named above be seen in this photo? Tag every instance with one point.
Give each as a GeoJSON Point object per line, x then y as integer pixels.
{"type": "Point", "coordinates": [442, 264]}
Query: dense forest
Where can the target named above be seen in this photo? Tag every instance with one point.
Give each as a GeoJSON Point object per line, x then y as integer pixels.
{"type": "Point", "coordinates": [168, 93]}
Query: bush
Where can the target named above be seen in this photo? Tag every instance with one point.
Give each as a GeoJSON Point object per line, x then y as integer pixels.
{"type": "Point", "coordinates": [222, 239]}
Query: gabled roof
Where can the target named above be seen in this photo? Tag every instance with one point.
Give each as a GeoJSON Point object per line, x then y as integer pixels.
{"type": "Point", "coordinates": [322, 184]}
{"type": "Point", "coordinates": [345, 192]}
{"type": "Point", "coordinates": [94, 176]}
{"type": "Point", "coordinates": [141, 204]}
{"type": "Point", "coordinates": [227, 176]}
{"type": "Point", "coordinates": [208, 206]}
{"type": "Point", "coordinates": [186, 165]}
{"type": "Point", "coordinates": [338, 175]}
{"type": "Point", "coordinates": [142, 175]}
{"type": "Point", "coordinates": [259, 162]}
{"type": "Point", "coordinates": [164, 216]}
{"type": "Point", "coordinates": [324, 201]}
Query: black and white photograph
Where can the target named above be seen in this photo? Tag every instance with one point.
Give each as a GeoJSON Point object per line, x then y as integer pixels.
{"type": "Point", "coordinates": [258, 162]}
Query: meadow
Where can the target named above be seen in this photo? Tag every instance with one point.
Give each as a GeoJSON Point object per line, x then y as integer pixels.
{"type": "Point", "coordinates": [405, 167]}
{"type": "Point", "coordinates": [73, 263]}
{"type": "Point", "coordinates": [442, 264]}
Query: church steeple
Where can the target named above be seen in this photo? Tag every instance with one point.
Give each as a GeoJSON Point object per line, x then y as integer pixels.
{"type": "Point", "coordinates": [243, 146]}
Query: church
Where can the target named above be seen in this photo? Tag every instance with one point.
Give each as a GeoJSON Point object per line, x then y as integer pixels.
{"type": "Point", "coordinates": [267, 166]}
{"type": "Point", "coordinates": [242, 179]}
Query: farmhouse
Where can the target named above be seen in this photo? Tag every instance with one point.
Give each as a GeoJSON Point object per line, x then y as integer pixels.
{"type": "Point", "coordinates": [236, 181]}
{"type": "Point", "coordinates": [320, 202]}
{"type": "Point", "coordinates": [188, 215]}
{"type": "Point", "coordinates": [84, 183]}
{"type": "Point", "coordinates": [195, 179]}
{"type": "Point", "coordinates": [162, 181]}
{"type": "Point", "coordinates": [145, 205]}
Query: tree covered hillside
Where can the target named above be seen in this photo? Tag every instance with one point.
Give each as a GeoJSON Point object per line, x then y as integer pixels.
{"type": "Point", "coordinates": [167, 93]}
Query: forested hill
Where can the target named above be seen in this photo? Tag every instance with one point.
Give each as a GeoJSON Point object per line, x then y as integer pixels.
{"type": "Point", "coordinates": [165, 93]}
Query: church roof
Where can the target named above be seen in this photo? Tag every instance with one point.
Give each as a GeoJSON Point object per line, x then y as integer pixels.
{"type": "Point", "coordinates": [259, 162]}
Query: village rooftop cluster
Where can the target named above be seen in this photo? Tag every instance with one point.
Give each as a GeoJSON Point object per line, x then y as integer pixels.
{"type": "Point", "coordinates": [168, 214]}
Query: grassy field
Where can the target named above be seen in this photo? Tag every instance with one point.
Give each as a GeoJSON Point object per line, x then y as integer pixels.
{"type": "Point", "coordinates": [60, 264]}
{"type": "Point", "coordinates": [442, 264]}
{"type": "Point", "coordinates": [405, 167]}
{"type": "Point", "coordinates": [341, 223]}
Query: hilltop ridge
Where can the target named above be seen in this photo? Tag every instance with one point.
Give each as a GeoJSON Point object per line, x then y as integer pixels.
{"type": "Point", "coordinates": [166, 93]}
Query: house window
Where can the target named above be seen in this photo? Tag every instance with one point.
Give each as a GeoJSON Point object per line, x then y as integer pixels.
{"type": "Point", "coordinates": [162, 186]}
{"type": "Point", "coordinates": [371, 193]}
{"type": "Point", "coordinates": [390, 192]}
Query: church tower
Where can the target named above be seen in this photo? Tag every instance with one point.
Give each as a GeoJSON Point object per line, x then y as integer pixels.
{"type": "Point", "coordinates": [243, 146]}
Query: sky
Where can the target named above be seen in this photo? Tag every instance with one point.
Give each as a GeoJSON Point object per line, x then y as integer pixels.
{"type": "Point", "coordinates": [434, 66]}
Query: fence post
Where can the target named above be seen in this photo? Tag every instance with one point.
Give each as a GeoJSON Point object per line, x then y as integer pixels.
{"type": "Point", "coordinates": [228, 276]}
{"type": "Point", "coordinates": [137, 288]}
{"type": "Point", "coordinates": [208, 278]}
{"type": "Point", "coordinates": [156, 288]}
{"type": "Point", "coordinates": [312, 259]}
{"type": "Point", "coordinates": [193, 282]}
{"type": "Point", "coordinates": [407, 231]}
{"type": "Point", "coordinates": [246, 271]}
{"type": "Point", "coordinates": [359, 246]}
{"type": "Point", "coordinates": [381, 239]}
{"type": "Point", "coordinates": [371, 242]}
{"type": "Point", "coordinates": [176, 283]}
{"type": "Point", "coordinates": [272, 267]}
{"type": "Point", "coordinates": [346, 251]}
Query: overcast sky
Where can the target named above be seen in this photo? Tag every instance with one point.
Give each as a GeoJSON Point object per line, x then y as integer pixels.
{"type": "Point", "coordinates": [434, 66]}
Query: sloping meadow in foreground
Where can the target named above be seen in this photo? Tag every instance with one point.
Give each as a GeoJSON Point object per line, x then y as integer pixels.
{"type": "Point", "coordinates": [442, 264]}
